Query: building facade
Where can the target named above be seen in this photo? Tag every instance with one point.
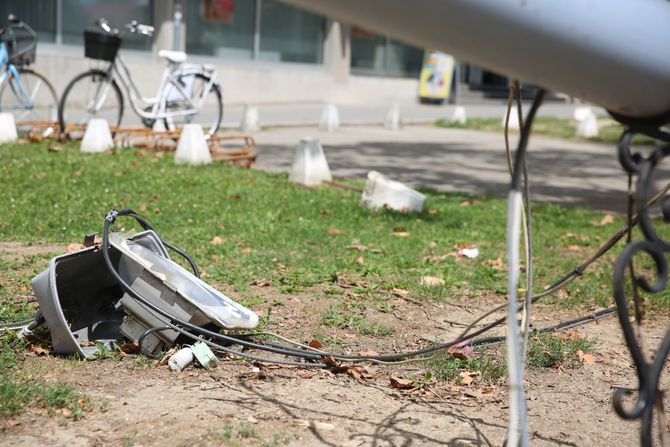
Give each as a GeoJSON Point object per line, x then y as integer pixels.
{"type": "Point", "coordinates": [265, 51]}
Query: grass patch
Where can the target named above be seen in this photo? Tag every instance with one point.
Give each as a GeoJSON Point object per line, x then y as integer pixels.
{"type": "Point", "coordinates": [244, 226]}
{"type": "Point", "coordinates": [489, 364]}
{"type": "Point", "coordinates": [232, 434]}
{"type": "Point", "coordinates": [342, 317]}
{"type": "Point", "coordinates": [609, 130]}
{"type": "Point", "coordinates": [551, 351]}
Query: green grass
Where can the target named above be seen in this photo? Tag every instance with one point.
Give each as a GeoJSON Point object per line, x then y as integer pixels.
{"type": "Point", "coordinates": [273, 231]}
{"type": "Point", "coordinates": [489, 364]}
{"type": "Point", "coordinates": [609, 130]}
{"type": "Point", "coordinates": [550, 351]}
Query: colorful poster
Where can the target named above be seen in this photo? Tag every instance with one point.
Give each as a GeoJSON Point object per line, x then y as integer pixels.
{"type": "Point", "coordinates": [220, 11]}
{"type": "Point", "coordinates": [436, 75]}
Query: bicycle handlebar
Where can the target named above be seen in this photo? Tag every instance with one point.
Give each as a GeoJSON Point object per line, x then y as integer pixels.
{"type": "Point", "coordinates": [15, 22]}
{"type": "Point", "coordinates": [133, 27]}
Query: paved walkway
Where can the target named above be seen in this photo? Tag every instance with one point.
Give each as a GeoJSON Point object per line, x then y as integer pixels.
{"type": "Point", "coordinates": [410, 113]}
{"type": "Point", "coordinates": [573, 173]}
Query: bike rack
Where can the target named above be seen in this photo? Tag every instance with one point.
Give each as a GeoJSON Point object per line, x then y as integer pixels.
{"type": "Point", "coordinates": [236, 148]}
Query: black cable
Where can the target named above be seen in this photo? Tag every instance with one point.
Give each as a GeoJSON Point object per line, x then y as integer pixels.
{"type": "Point", "coordinates": [279, 349]}
{"type": "Point", "coordinates": [149, 332]}
{"type": "Point", "coordinates": [110, 218]}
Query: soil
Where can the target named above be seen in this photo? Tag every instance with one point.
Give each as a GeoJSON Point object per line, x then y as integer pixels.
{"type": "Point", "coordinates": [135, 402]}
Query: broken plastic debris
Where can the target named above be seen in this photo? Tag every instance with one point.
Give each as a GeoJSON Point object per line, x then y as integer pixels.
{"type": "Point", "coordinates": [181, 359]}
{"type": "Point", "coordinates": [204, 355]}
{"type": "Point", "coordinates": [381, 191]}
{"type": "Point", "coordinates": [471, 253]}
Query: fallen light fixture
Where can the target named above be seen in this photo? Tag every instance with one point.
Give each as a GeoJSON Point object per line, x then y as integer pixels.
{"type": "Point", "coordinates": [84, 304]}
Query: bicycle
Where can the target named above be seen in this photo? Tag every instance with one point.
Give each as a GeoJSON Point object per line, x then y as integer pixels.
{"type": "Point", "coordinates": [187, 93]}
{"type": "Point", "coordinates": [26, 93]}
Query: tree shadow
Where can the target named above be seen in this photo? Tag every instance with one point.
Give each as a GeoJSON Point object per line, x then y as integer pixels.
{"type": "Point", "coordinates": [559, 172]}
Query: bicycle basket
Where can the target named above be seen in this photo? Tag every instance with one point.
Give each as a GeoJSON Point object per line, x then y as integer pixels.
{"type": "Point", "coordinates": [101, 46]}
{"type": "Point", "coordinates": [20, 46]}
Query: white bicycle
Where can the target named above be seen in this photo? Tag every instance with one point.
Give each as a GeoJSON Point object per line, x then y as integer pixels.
{"type": "Point", "coordinates": [187, 93]}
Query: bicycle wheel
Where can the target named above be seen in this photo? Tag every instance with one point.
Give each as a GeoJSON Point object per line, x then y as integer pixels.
{"type": "Point", "coordinates": [203, 106]}
{"type": "Point", "coordinates": [30, 97]}
{"type": "Point", "coordinates": [89, 95]}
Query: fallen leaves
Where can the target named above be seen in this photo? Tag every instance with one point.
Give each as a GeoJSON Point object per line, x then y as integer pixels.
{"type": "Point", "coordinates": [400, 232]}
{"type": "Point", "coordinates": [586, 358]}
{"type": "Point", "coordinates": [333, 231]}
{"type": "Point", "coordinates": [401, 384]}
{"type": "Point", "coordinates": [216, 240]}
{"type": "Point", "coordinates": [606, 220]}
{"type": "Point", "coordinates": [260, 283]}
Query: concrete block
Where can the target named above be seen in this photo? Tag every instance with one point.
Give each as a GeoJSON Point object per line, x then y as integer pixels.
{"type": "Point", "coordinates": [97, 137]}
{"type": "Point", "coordinates": [310, 167]}
{"type": "Point", "coordinates": [192, 147]}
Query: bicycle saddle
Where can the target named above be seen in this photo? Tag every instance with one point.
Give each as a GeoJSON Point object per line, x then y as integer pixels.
{"type": "Point", "coordinates": [176, 57]}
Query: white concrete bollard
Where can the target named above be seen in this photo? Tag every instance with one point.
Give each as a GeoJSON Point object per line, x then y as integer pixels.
{"type": "Point", "coordinates": [330, 118]}
{"type": "Point", "coordinates": [97, 137]}
{"type": "Point", "coordinates": [392, 121]}
{"type": "Point", "coordinates": [310, 167]}
{"type": "Point", "coordinates": [159, 126]}
{"type": "Point", "coordinates": [380, 192]}
{"type": "Point", "coordinates": [581, 113]}
{"type": "Point", "coordinates": [513, 118]}
{"type": "Point", "coordinates": [192, 147]}
{"type": "Point", "coordinates": [588, 127]}
{"type": "Point", "coordinates": [250, 122]}
{"type": "Point", "coordinates": [7, 128]}
{"type": "Point", "coordinates": [459, 116]}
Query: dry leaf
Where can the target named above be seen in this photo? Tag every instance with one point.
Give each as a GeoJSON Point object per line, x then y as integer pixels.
{"type": "Point", "coordinates": [369, 353]}
{"type": "Point", "coordinates": [572, 335]}
{"type": "Point", "coordinates": [216, 241]}
{"type": "Point", "coordinates": [401, 232]}
{"type": "Point", "coordinates": [54, 147]}
{"type": "Point", "coordinates": [142, 208]}
{"type": "Point", "coordinates": [432, 281]}
{"type": "Point", "coordinates": [157, 210]}
{"type": "Point", "coordinates": [467, 377]}
{"type": "Point", "coordinates": [38, 350]}
{"type": "Point", "coordinates": [401, 384]}
{"type": "Point", "coordinates": [574, 248]}
{"type": "Point", "coordinates": [497, 264]}
{"type": "Point", "coordinates": [246, 251]}
{"type": "Point", "coordinates": [360, 260]}
{"type": "Point", "coordinates": [333, 231]}
{"type": "Point", "coordinates": [316, 344]}
{"type": "Point", "coordinates": [606, 220]}
{"type": "Point", "coordinates": [586, 358]}
{"type": "Point", "coordinates": [261, 283]}
{"type": "Point", "coordinates": [432, 211]}
{"type": "Point", "coordinates": [358, 247]}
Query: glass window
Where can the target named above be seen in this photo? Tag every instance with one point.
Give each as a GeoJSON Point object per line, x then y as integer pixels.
{"type": "Point", "coordinates": [290, 34]}
{"type": "Point", "coordinates": [367, 52]}
{"type": "Point", "coordinates": [373, 54]}
{"type": "Point", "coordinates": [40, 15]}
{"type": "Point", "coordinates": [403, 60]}
{"type": "Point", "coordinates": [220, 28]}
{"type": "Point", "coordinates": [79, 15]}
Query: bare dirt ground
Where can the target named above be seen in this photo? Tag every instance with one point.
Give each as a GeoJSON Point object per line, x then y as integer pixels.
{"type": "Point", "coordinates": [134, 402]}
